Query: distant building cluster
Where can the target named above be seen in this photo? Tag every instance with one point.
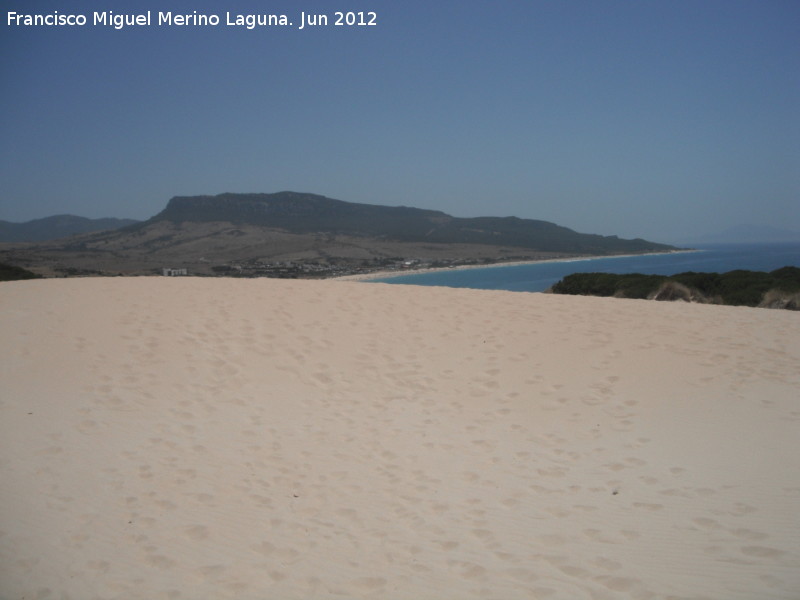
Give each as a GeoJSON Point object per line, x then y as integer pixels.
{"type": "Point", "coordinates": [306, 269]}
{"type": "Point", "coordinates": [166, 272]}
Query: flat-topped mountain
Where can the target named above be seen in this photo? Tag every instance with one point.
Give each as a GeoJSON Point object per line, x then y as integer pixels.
{"type": "Point", "coordinates": [294, 234]}
{"type": "Point", "coordinates": [310, 213]}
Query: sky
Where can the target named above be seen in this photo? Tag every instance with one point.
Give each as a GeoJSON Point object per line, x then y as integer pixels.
{"type": "Point", "coordinates": [661, 119]}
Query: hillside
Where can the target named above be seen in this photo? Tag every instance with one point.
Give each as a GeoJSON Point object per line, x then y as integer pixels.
{"type": "Point", "coordinates": [289, 234]}
{"type": "Point", "coordinates": [310, 213]}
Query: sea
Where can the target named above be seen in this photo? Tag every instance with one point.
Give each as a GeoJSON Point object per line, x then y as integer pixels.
{"type": "Point", "coordinates": [538, 277]}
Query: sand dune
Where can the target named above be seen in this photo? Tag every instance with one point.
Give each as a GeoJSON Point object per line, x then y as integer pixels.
{"type": "Point", "coordinates": [251, 439]}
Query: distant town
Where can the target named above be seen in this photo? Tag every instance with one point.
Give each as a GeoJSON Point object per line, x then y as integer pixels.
{"type": "Point", "coordinates": [319, 270]}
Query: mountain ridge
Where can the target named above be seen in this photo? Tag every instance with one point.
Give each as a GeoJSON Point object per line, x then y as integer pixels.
{"type": "Point", "coordinates": [305, 213]}
{"type": "Point", "coordinates": [292, 234]}
{"type": "Point", "coordinates": [57, 226]}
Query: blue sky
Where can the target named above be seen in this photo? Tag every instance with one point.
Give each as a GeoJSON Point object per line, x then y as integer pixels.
{"type": "Point", "coordinates": [655, 119]}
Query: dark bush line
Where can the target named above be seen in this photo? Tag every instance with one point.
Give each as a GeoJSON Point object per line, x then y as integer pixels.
{"type": "Point", "coordinates": [12, 273]}
{"type": "Point", "coordinates": [738, 288]}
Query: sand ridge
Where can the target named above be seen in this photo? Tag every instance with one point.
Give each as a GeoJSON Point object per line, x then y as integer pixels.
{"type": "Point", "coordinates": [191, 437]}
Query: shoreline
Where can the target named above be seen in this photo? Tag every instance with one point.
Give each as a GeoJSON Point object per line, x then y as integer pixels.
{"type": "Point", "coordinates": [518, 263]}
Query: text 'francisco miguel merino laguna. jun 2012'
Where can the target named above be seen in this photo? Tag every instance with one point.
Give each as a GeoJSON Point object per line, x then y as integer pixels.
{"type": "Point", "coordinates": [194, 19]}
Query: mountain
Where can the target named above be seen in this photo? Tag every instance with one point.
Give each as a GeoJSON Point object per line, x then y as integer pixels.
{"type": "Point", "coordinates": [291, 234]}
{"type": "Point", "coordinates": [310, 213]}
{"type": "Point", "coordinates": [55, 227]}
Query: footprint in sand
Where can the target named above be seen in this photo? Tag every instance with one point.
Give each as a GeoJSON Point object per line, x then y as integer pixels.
{"type": "Point", "coordinates": [368, 584]}
{"type": "Point", "coordinates": [749, 534]}
{"type": "Point", "coordinates": [740, 509]}
{"type": "Point", "coordinates": [467, 570]}
{"type": "Point", "coordinates": [483, 534]}
{"type": "Point", "coordinates": [648, 506]}
{"type": "Point", "coordinates": [709, 524]}
{"type": "Point", "coordinates": [523, 575]}
{"type": "Point", "coordinates": [607, 564]}
{"type": "Point", "coordinates": [620, 584]}
{"type": "Point", "coordinates": [196, 532]}
{"type": "Point", "coordinates": [99, 566]}
{"type": "Point", "coordinates": [762, 552]}
{"type": "Point", "coordinates": [447, 545]}
{"type": "Point", "coordinates": [159, 561]}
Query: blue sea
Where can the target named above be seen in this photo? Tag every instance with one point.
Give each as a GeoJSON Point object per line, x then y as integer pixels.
{"type": "Point", "coordinates": [537, 277]}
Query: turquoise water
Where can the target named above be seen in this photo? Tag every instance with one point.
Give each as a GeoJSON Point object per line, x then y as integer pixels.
{"type": "Point", "coordinates": [540, 276]}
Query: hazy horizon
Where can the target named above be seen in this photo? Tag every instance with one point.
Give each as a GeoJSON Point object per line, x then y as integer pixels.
{"type": "Point", "coordinates": [656, 120]}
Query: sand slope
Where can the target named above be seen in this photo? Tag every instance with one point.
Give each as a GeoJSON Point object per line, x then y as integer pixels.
{"type": "Point", "coordinates": [211, 438]}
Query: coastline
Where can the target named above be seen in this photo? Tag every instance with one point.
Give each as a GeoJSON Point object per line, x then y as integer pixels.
{"type": "Point", "coordinates": [518, 263]}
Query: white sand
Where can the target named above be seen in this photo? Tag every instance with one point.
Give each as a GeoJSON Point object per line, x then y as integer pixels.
{"type": "Point", "coordinates": [252, 439]}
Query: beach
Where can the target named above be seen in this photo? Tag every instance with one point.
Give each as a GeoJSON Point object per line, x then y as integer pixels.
{"type": "Point", "coordinates": [373, 275]}
{"type": "Point", "coordinates": [191, 438]}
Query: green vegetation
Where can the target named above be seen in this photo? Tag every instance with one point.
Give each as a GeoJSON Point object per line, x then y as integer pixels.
{"type": "Point", "coordinates": [633, 285]}
{"type": "Point", "coordinates": [779, 288]}
{"type": "Point", "coordinates": [12, 273]}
